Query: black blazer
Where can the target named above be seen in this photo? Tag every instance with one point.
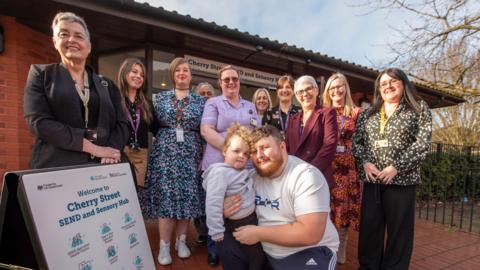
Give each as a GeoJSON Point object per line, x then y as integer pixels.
{"type": "Point", "coordinates": [273, 117]}
{"type": "Point", "coordinates": [53, 112]}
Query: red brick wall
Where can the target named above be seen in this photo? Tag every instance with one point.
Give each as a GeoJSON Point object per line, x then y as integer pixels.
{"type": "Point", "coordinates": [23, 47]}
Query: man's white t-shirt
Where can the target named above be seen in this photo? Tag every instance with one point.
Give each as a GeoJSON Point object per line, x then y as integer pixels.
{"type": "Point", "coordinates": [301, 189]}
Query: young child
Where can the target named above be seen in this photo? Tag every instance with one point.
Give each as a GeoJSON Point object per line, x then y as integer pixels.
{"type": "Point", "coordinates": [225, 179]}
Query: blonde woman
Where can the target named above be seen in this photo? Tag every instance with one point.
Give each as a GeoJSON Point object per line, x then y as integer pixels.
{"type": "Point", "coordinates": [345, 196]}
{"type": "Point", "coordinates": [263, 102]}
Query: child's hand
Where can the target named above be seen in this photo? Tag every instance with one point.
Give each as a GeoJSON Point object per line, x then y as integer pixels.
{"type": "Point", "coordinates": [232, 205]}
{"type": "Point", "coordinates": [218, 239]}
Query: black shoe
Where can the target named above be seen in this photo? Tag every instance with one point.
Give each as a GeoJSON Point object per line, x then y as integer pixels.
{"type": "Point", "coordinates": [212, 259]}
{"type": "Point", "coordinates": [202, 239]}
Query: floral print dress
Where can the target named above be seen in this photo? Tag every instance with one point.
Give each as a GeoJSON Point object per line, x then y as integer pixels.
{"type": "Point", "coordinates": [171, 187]}
{"type": "Point", "coordinates": [346, 195]}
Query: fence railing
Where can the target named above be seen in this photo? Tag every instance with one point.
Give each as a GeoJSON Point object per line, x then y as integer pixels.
{"type": "Point", "coordinates": [450, 192]}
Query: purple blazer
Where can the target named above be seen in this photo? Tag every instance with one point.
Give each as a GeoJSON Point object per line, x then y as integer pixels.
{"type": "Point", "coordinates": [318, 141]}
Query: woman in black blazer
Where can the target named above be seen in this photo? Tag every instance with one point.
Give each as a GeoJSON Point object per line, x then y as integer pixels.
{"type": "Point", "coordinates": [74, 114]}
{"type": "Point", "coordinates": [278, 116]}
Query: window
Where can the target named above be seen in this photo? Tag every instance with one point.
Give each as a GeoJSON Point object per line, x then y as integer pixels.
{"type": "Point", "coordinates": [108, 65]}
{"type": "Point", "coordinates": [161, 78]}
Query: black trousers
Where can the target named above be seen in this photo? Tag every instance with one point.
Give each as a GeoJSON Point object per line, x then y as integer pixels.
{"type": "Point", "coordinates": [236, 256]}
{"type": "Point", "coordinates": [315, 258]}
{"type": "Point", "coordinates": [389, 207]}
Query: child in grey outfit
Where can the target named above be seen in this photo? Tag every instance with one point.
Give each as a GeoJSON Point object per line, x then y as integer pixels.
{"type": "Point", "coordinates": [225, 179]}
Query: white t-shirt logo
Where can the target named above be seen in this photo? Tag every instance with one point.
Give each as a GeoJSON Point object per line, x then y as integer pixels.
{"type": "Point", "coordinates": [274, 204]}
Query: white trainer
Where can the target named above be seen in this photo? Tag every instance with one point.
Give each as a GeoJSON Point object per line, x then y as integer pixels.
{"type": "Point", "coordinates": [181, 247]}
{"type": "Point", "coordinates": [164, 257]}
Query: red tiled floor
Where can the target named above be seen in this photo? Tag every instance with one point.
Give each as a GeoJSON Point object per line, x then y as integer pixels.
{"type": "Point", "coordinates": [435, 247]}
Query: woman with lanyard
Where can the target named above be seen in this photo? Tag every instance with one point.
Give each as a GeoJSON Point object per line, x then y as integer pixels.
{"type": "Point", "coordinates": [138, 110]}
{"type": "Point", "coordinates": [219, 114]}
{"type": "Point", "coordinates": [75, 114]}
{"type": "Point", "coordinates": [278, 116]}
{"type": "Point", "coordinates": [171, 191]}
{"type": "Point", "coordinates": [345, 196]}
{"type": "Point", "coordinates": [391, 140]}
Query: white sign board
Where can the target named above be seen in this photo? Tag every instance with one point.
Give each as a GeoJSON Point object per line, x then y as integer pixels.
{"type": "Point", "coordinates": [246, 74]}
{"type": "Point", "coordinates": [89, 218]}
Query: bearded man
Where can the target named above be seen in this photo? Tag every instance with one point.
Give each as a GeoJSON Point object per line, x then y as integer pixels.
{"type": "Point", "coordinates": [292, 207]}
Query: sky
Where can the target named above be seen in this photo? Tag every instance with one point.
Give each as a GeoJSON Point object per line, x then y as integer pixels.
{"type": "Point", "coordinates": [334, 28]}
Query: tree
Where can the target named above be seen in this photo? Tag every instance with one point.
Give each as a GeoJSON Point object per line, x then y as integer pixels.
{"type": "Point", "coordinates": [441, 49]}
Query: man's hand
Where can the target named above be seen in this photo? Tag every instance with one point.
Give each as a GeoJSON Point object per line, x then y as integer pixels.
{"type": "Point", "coordinates": [247, 235]}
{"type": "Point", "coordinates": [232, 205]}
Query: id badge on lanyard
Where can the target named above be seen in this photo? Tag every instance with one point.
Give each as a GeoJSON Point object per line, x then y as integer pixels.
{"type": "Point", "coordinates": [381, 143]}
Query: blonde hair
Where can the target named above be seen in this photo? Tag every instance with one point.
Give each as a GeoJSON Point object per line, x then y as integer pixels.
{"type": "Point", "coordinates": [237, 130]}
{"type": "Point", "coordinates": [255, 96]}
{"type": "Point", "coordinates": [173, 65]}
{"type": "Point", "coordinates": [125, 68]}
{"type": "Point", "coordinates": [327, 101]}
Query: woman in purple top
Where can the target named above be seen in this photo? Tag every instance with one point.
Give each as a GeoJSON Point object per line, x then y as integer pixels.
{"type": "Point", "coordinates": [222, 111]}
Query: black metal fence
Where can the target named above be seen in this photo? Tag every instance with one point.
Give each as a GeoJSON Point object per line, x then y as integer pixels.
{"type": "Point", "coordinates": [450, 192]}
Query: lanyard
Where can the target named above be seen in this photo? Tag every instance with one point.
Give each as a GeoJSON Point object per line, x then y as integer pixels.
{"type": "Point", "coordinates": [179, 111]}
{"type": "Point", "coordinates": [383, 120]}
{"type": "Point", "coordinates": [84, 95]}
{"type": "Point", "coordinates": [342, 126]}
{"type": "Point", "coordinates": [134, 124]}
{"type": "Point", "coordinates": [284, 125]}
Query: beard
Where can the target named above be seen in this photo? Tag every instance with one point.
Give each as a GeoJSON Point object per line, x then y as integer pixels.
{"type": "Point", "coordinates": [269, 168]}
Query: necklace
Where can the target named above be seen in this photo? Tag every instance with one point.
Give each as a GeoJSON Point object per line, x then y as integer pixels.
{"type": "Point", "coordinates": [84, 95]}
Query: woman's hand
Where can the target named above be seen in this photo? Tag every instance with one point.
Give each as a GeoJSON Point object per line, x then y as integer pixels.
{"type": "Point", "coordinates": [371, 171]}
{"type": "Point", "coordinates": [232, 205]}
{"type": "Point", "coordinates": [109, 160]}
{"type": "Point", "coordinates": [106, 152]}
{"type": "Point", "coordinates": [110, 154]}
{"type": "Point", "coordinates": [387, 174]}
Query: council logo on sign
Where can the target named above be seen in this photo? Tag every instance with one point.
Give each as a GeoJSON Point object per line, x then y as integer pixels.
{"type": "Point", "coordinates": [97, 177]}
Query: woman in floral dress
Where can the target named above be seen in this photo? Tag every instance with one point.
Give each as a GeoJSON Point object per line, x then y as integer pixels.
{"type": "Point", "coordinates": [345, 197]}
{"type": "Point", "coordinates": [171, 189]}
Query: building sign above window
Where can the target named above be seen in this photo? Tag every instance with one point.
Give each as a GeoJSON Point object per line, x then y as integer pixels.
{"type": "Point", "coordinates": [246, 75]}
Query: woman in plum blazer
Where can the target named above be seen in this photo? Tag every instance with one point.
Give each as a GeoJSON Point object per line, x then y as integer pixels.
{"type": "Point", "coordinates": [312, 132]}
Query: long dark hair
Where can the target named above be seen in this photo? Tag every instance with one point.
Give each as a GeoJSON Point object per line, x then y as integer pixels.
{"type": "Point", "coordinates": [410, 95]}
{"type": "Point", "coordinates": [125, 68]}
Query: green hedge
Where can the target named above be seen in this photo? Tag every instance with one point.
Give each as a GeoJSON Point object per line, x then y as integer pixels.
{"type": "Point", "coordinates": [446, 169]}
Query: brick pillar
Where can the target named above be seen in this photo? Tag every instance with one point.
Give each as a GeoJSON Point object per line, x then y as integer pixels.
{"type": "Point", "coordinates": [23, 47]}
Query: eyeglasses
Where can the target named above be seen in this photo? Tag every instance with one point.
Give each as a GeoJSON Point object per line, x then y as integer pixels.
{"type": "Point", "coordinates": [65, 35]}
{"type": "Point", "coordinates": [301, 92]}
{"type": "Point", "coordinates": [228, 79]}
{"type": "Point", "coordinates": [384, 85]}
{"type": "Point", "coordinates": [333, 88]}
